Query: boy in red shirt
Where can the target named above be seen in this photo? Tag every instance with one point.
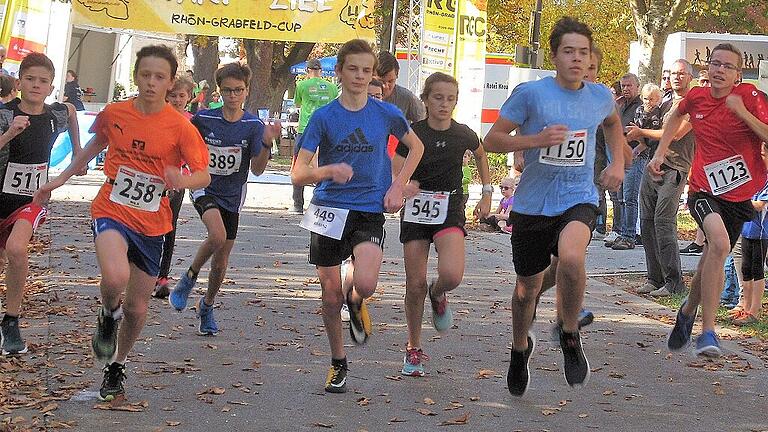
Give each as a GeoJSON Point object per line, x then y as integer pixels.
{"type": "Point", "coordinates": [131, 213]}
{"type": "Point", "coordinates": [730, 122]}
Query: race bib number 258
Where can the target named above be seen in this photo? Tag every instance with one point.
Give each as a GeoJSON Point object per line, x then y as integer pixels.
{"type": "Point", "coordinates": [137, 190]}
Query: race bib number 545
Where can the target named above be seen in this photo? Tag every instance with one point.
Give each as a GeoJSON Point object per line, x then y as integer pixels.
{"type": "Point", "coordinates": [429, 208]}
{"type": "Point", "coordinates": [137, 190]}
{"type": "Point", "coordinates": [568, 153]}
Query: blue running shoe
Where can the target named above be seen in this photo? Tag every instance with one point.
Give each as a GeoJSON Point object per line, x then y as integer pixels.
{"type": "Point", "coordinates": [707, 345]}
{"type": "Point", "coordinates": [413, 362]}
{"type": "Point", "coordinates": [681, 332]}
{"type": "Point", "coordinates": [585, 318]}
{"type": "Point", "coordinates": [208, 325]}
{"type": "Point", "coordinates": [180, 294]}
{"type": "Point", "coordinates": [442, 317]}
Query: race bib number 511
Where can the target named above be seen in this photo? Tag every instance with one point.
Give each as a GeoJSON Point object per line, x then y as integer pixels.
{"type": "Point", "coordinates": [137, 190]}
{"type": "Point", "coordinates": [326, 221]}
{"type": "Point", "coordinates": [568, 153]}
{"type": "Point", "coordinates": [24, 179]}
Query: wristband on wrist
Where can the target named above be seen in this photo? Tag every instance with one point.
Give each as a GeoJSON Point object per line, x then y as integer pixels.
{"type": "Point", "coordinates": [487, 189]}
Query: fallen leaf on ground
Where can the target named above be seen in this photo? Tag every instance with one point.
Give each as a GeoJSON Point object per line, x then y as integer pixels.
{"type": "Point", "coordinates": [458, 421]}
{"type": "Point", "coordinates": [485, 373]}
{"type": "Point", "coordinates": [363, 401]}
{"type": "Point", "coordinates": [429, 401]}
{"type": "Point", "coordinates": [425, 412]}
{"type": "Point", "coordinates": [323, 425]}
{"type": "Point", "coordinates": [172, 423]}
{"type": "Point", "coordinates": [121, 404]}
{"type": "Point", "coordinates": [550, 411]}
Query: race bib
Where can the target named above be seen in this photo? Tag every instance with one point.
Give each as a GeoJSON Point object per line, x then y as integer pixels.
{"type": "Point", "coordinates": [224, 160]}
{"type": "Point", "coordinates": [428, 208]}
{"type": "Point", "coordinates": [569, 153]}
{"type": "Point", "coordinates": [24, 179]}
{"type": "Point", "coordinates": [137, 190]}
{"type": "Point", "coordinates": [327, 221]}
{"type": "Point", "coordinates": [727, 174]}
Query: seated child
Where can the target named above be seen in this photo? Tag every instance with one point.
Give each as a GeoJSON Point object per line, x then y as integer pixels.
{"type": "Point", "coordinates": [500, 218]}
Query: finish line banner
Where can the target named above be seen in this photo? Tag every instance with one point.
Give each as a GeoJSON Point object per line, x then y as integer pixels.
{"type": "Point", "coordinates": [332, 21]}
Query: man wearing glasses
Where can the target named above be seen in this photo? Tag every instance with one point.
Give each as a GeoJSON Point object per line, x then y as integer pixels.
{"type": "Point", "coordinates": [729, 122]}
{"type": "Point", "coordinates": [311, 94]}
{"type": "Point", "coordinates": [659, 196]}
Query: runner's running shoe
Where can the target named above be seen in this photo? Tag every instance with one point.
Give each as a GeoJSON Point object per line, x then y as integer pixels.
{"type": "Point", "coordinates": [518, 375]}
{"type": "Point", "coordinates": [413, 362]}
{"type": "Point", "coordinates": [336, 381]}
{"type": "Point", "coordinates": [707, 345]}
{"type": "Point", "coordinates": [681, 332]}
{"type": "Point", "coordinates": [179, 296]}
{"type": "Point", "coordinates": [112, 386]}
{"type": "Point", "coordinates": [442, 317]}
{"type": "Point", "coordinates": [161, 288]}
{"type": "Point", "coordinates": [360, 326]}
{"type": "Point", "coordinates": [10, 337]}
{"type": "Point", "coordinates": [575, 364]}
{"type": "Point", "coordinates": [208, 326]}
{"type": "Point", "coordinates": [104, 341]}
{"type": "Point", "coordinates": [692, 249]}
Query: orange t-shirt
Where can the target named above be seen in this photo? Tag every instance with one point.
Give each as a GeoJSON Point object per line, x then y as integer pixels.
{"type": "Point", "coordinates": [146, 143]}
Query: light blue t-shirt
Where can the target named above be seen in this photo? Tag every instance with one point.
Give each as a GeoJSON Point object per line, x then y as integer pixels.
{"type": "Point", "coordinates": [547, 189]}
{"type": "Point", "coordinates": [358, 138]}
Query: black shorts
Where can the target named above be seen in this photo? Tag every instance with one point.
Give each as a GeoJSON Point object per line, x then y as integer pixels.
{"type": "Point", "coordinates": [231, 220]}
{"type": "Point", "coordinates": [455, 218]}
{"type": "Point", "coordinates": [753, 258]}
{"type": "Point", "coordinates": [361, 227]}
{"type": "Point", "coordinates": [534, 239]}
{"type": "Point", "coordinates": [734, 214]}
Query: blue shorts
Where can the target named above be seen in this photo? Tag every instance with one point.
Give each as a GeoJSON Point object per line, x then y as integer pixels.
{"type": "Point", "coordinates": [144, 252]}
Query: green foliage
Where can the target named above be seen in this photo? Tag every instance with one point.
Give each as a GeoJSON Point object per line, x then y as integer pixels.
{"type": "Point", "coordinates": [725, 16]}
{"type": "Point", "coordinates": [611, 23]}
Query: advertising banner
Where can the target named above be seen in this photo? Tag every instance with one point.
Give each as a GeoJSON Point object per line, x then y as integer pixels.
{"type": "Point", "coordinates": [438, 38]}
{"type": "Point", "coordinates": [470, 61]}
{"type": "Point", "coordinates": [25, 30]}
{"type": "Point", "coordinates": [286, 20]}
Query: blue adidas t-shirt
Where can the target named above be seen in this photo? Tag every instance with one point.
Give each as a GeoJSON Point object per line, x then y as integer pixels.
{"type": "Point", "coordinates": [549, 189]}
{"type": "Point", "coordinates": [227, 142]}
{"type": "Point", "coordinates": [757, 228]}
{"type": "Point", "coordinates": [358, 138]}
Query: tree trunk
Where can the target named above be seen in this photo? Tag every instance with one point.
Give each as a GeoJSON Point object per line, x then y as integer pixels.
{"type": "Point", "coordinates": [205, 50]}
{"type": "Point", "coordinates": [654, 19]}
{"type": "Point", "coordinates": [271, 72]}
{"type": "Point", "coordinates": [386, 24]}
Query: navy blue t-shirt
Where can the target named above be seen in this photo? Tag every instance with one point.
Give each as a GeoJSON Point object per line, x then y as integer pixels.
{"type": "Point", "coordinates": [227, 142]}
{"type": "Point", "coordinates": [358, 138]}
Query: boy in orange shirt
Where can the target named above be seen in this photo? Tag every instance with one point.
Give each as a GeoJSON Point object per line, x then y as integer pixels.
{"type": "Point", "coordinates": [131, 212]}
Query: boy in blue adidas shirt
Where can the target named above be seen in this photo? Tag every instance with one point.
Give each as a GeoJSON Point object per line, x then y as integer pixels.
{"type": "Point", "coordinates": [354, 188]}
{"type": "Point", "coordinates": [236, 140]}
{"type": "Point", "coordinates": [555, 206]}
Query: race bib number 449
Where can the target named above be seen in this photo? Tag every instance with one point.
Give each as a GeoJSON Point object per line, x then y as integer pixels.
{"type": "Point", "coordinates": [728, 174]}
{"type": "Point", "coordinates": [137, 190]}
{"type": "Point", "coordinates": [568, 153]}
{"type": "Point", "coordinates": [326, 221]}
{"type": "Point", "coordinates": [24, 179]}
{"type": "Point", "coordinates": [224, 160]}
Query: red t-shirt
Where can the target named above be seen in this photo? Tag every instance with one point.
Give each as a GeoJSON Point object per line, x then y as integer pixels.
{"type": "Point", "coordinates": [146, 143]}
{"type": "Point", "coordinates": [720, 135]}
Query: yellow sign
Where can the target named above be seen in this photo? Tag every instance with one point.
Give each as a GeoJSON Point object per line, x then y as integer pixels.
{"type": "Point", "coordinates": [286, 20]}
{"type": "Point", "coordinates": [438, 38]}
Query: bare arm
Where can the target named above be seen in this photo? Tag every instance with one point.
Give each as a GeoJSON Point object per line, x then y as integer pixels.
{"type": "Point", "coordinates": [736, 104]}
{"type": "Point", "coordinates": [483, 206]}
{"type": "Point", "coordinates": [758, 205]}
{"type": "Point", "coordinates": [499, 140]}
{"type": "Point", "coordinates": [655, 134]}
{"type": "Point", "coordinates": [304, 173]}
{"type": "Point", "coordinates": [259, 162]}
{"type": "Point", "coordinates": [73, 128]}
{"type": "Point", "coordinates": [668, 133]}
{"type": "Point", "coordinates": [613, 174]}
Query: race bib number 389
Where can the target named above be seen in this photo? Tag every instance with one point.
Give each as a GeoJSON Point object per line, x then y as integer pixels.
{"type": "Point", "coordinates": [326, 221]}
{"type": "Point", "coordinates": [137, 190]}
{"type": "Point", "coordinates": [728, 174]}
{"type": "Point", "coordinates": [568, 153]}
{"type": "Point", "coordinates": [224, 160]}
{"type": "Point", "coordinates": [24, 179]}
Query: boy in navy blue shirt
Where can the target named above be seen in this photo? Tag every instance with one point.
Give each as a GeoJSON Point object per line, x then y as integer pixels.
{"type": "Point", "coordinates": [236, 140]}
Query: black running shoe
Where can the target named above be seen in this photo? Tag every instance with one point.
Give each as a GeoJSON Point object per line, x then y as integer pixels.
{"type": "Point", "coordinates": [518, 376]}
{"type": "Point", "coordinates": [575, 364]}
{"type": "Point", "coordinates": [104, 341]}
{"type": "Point", "coordinates": [692, 249]}
{"type": "Point", "coordinates": [112, 386]}
{"type": "Point", "coordinates": [359, 321]}
{"type": "Point", "coordinates": [10, 337]}
{"type": "Point", "coordinates": [336, 381]}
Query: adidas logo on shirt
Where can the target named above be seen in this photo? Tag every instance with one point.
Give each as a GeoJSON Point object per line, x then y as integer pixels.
{"type": "Point", "coordinates": [354, 143]}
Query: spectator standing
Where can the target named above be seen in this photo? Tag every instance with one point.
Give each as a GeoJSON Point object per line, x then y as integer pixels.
{"type": "Point", "coordinates": [72, 91]}
{"type": "Point", "coordinates": [311, 94]}
{"type": "Point", "coordinates": [659, 196]}
{"type": "Point", "coordinates": [388, 71]}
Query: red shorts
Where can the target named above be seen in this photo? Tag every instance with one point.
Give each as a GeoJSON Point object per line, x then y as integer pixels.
{"type": "Point", "coordinates": [30, 212]}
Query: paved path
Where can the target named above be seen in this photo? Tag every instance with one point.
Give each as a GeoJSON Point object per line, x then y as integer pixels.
{"type": "Point", "coordinates": [271, 358]}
